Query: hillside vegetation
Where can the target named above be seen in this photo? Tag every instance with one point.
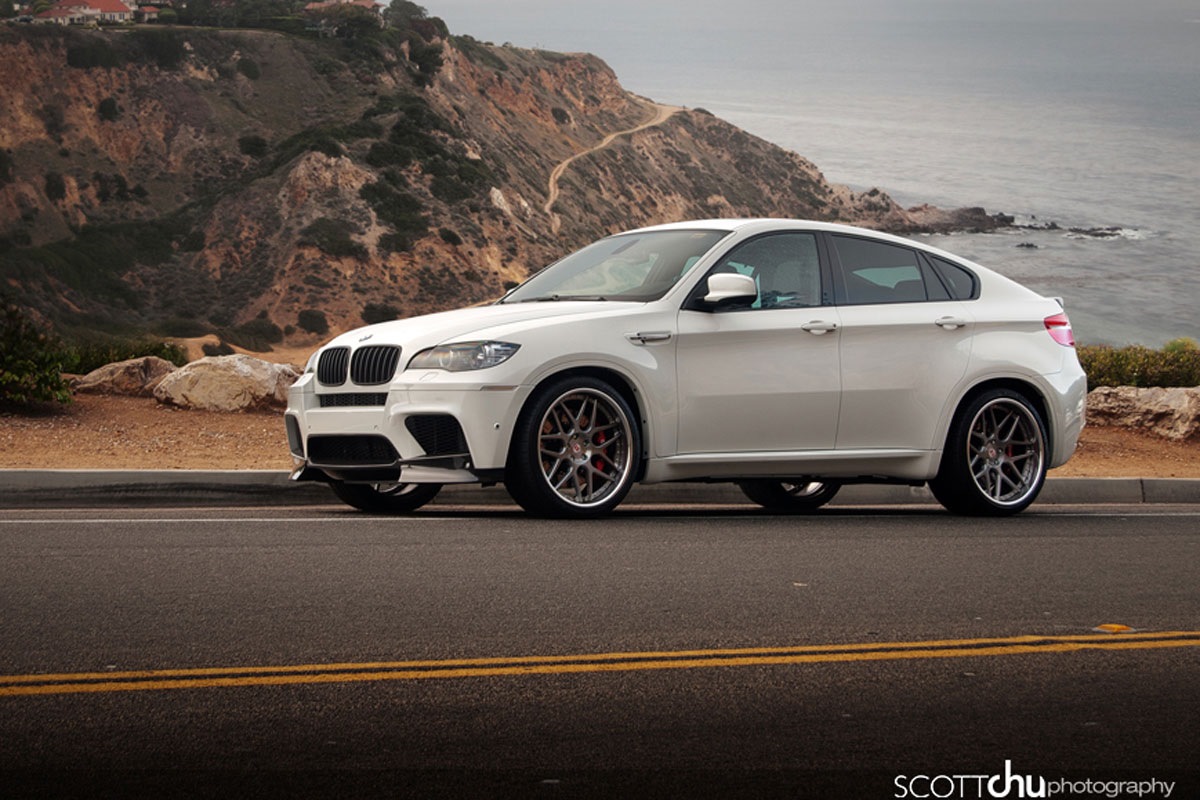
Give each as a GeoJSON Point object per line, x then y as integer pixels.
{"type": "Point", "coordinates": [273, 185]}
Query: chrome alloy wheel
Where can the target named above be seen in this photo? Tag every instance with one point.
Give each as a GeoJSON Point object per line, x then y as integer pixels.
{"type": "Point", "coordinates": [386, 498]}
{"type": "Point", "coordinates": [394, 489]}
{"type": "Point", "coordinates": [803, 491]}
{"type": "Point", "coordinates": [584, 447]}
{"type": "Point", "coordinates": [1005, 451]}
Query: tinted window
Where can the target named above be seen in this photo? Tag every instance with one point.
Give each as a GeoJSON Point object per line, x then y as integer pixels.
{"type": "Point", "coordinates": [875, 272]}
{"type": "Point", "coordinates": [934, 286]}
{"type": "Point", "coordinates": [638, 267]}
{"type": "Point", "coordinates": [785, 266]}
{"type": "Point", "coordinates": [958, 279]}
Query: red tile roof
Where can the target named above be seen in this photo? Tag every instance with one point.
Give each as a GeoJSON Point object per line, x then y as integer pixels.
{"type": "Point", "coordinates": [103, 6]}
{"type": "Point", "coordinates": [109, 6]}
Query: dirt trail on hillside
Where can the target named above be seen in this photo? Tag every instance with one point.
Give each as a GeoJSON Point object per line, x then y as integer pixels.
{"type": "Point", "coordinates": [661, 114]}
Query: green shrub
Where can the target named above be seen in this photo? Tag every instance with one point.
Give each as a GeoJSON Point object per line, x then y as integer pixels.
{"type": "Point", "coordinates": [386, 154]}
{"type": "Point", "coordinates": [479, 53]}
{"type": "Point", "coordinates": [108, 109]}
{"type": "Point", "coordinates": [55, 186]}
{"type": "Point", "coordinates": [30, 362]}
{"type": "Point", "coordinates": [253, 145]}
{"type": "Point", "coordinates": [379, 312]}
{"type": "Point", "coordinates": [362, 129]}
{"type": "Point", "coordinates": [427, 58]}
{"type": "Point", "coordinates": [182, 328]}
{"type": "Point", "coordinates": [333, 237]}
{"type": "Point", "coordinates": [1176, 364]}
{"type": "Point", "coordinates": [313, 321]}
{"type": "Point", "coordinates": [249, 68]}
{"type": "Point", "coordinates": [450, 237]}
{"type": "Point", "coordinates": [257, 335]}
{"type": "Point", "coordinates": [398, 209]}
{"type": "Point", "coordinates": [1181, 345]}
{"type": "Point", "coordinates": [192, 242]}
{"type": "Point", "coordinates": [292, 25]}
{"type": "Point", "coordinates": [163, 47]}
{"type": "Point", "coordinates": [96, 351]}
{"type": "Point", "coordinates": [314, 139]}
{"type": "Point", "coordinates": [220, 349]}
{"type": "Point", "coordinates": [93, 51]}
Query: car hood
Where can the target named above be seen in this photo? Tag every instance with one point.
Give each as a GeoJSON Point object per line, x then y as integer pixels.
{"type": "Point", "coordinates": [476, 323]}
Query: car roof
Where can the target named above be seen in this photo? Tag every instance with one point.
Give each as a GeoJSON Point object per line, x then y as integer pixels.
{"type": "Point", "coordinates": [751, 226]}
{"type": "Point", "coordinates": [757, 224]}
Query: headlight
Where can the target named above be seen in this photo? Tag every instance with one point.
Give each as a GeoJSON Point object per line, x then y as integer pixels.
{"type": "Point", "coordinates": [464, 356]}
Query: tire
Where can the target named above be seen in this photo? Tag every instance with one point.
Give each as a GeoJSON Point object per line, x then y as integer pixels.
{"type": "Point", "coordinates": [800, 496]}
{"type": "Point", "coordinates": [385, 498]}
{"type": "Point", "coordinates": [575, 450]}
{"type": "Point", "coordinates": [994, 463]}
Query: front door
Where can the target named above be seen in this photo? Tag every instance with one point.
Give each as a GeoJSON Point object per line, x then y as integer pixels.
{"type": "Point", "coordinates": [764, 376]}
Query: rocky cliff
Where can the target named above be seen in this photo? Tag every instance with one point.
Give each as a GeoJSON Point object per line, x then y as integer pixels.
{"type": "Point", "coordinates": [260, 184]}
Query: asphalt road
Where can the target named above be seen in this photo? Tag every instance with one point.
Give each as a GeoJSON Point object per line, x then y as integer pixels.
{"type": "Point", "coordinates": [665, 652]}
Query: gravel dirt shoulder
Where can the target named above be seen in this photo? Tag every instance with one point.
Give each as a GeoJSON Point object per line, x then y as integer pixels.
{"type": "Point", "coordinates": [112, 432]}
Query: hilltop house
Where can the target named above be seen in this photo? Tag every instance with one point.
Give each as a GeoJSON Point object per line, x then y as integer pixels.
{"type": "Point", "coordinates": [85, 12]}
{"type": "Point", "coordinates": [324, 26]}
{"type": "Point", "coordinates": [370, 5]}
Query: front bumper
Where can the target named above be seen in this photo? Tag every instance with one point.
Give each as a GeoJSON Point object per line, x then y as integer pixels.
{"type": "Point", "coordinates": [422, 431]}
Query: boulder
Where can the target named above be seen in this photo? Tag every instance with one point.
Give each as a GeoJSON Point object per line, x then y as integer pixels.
{"type": "Point", "coordinates": [136, 377]}
{"type": "Point", "coordinates": [227, 383]}
{"type": "Point", "coordinates": [1171, 413]}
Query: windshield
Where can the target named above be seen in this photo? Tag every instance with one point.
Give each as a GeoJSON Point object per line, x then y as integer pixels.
{"type": "Point", "coordinates": [633, 267]}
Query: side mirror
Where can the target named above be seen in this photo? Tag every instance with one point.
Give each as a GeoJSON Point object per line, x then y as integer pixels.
{"type": "Point", "coordinates": [725, 288]}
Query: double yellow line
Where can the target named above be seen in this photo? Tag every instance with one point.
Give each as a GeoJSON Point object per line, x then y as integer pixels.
{"type": "Point", "coordinates": [209, 677]}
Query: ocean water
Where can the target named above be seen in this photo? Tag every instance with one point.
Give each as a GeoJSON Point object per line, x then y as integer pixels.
{"type": "Point", "coordinates": [1085, 113]}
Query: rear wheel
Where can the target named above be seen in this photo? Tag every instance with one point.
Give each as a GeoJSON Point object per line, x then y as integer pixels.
{"type": "Point", "coordinates": [386, 498]}
{"type": "Point", "coordinates": [575, 450]}
{"type": "Point", "coordinates": [797, 496]}
{"type": "Point", "coordinates": [995, 458]}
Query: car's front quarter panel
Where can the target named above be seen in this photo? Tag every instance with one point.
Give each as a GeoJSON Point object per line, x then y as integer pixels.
{"type": "Point", "coordinates": [608, 344]}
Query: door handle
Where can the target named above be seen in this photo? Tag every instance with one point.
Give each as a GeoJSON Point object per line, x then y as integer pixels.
{"type": "Point", "coordinates": [649, 337]}
{"type": "Point", "coordinates": [818, 327]}
{"type": "Point", "coordinates": [950, 323]}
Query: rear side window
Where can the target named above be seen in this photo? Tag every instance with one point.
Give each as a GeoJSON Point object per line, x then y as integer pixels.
{"type": "Point", "coordinates": [877, 272]}
{"type": "Point", "coordinates": [959, 280]}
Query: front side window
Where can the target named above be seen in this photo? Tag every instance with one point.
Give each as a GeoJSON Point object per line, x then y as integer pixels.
{"type": "Point", "coordinates": [635, 267]}
{"type": "Point", "coordinates": [878, 272]}
{"type": "Point", "coordinates": [785, 266]}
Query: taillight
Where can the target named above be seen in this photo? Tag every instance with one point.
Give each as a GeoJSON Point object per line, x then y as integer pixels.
{"type": "Point", "coordinates": [1059, 328]}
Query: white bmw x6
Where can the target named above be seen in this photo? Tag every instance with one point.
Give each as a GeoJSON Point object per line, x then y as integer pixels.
{"type": "Point", "coordinates": [788, 357]}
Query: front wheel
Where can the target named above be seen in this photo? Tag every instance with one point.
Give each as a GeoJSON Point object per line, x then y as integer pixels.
{"type": "Point", "coordinates": [795, 497]}
{"type": "Point", "coordinates": [575, 450]}
{"type": "Point", "coordinates": [994, 463]}
{"type": "Point", "coordinates": [385, 498]}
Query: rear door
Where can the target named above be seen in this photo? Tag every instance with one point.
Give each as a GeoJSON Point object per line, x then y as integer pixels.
{"type": "Point", "coordinates": [905, 344]}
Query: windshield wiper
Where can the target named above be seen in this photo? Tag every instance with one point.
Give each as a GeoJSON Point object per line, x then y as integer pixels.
{"type": "Point", "coordinates": [555, 298]}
